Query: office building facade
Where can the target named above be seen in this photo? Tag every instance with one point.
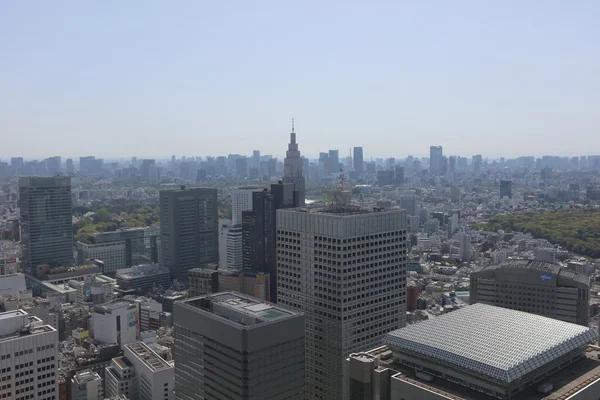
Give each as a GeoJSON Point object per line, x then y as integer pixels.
{"type": "Point", "coordinates": [535, 287]}
{"type": "Point", "coordinates": [28, 348]}
{"type": "Point", "coordinates": [188, 229]}
{"type": "Point", "coordinates": [121, 249]}
{"type": "Point", "coordinates": [154, 376]}
{"type": "Point", "coordinates": [46, 222]}
{"type": "Point", "coordinates": [436, 160]}
{"type": "Point", "coordinates": [506, 189]}
{"type": "Point", "coordinates": [357, 159]}
{"type": "Point", "coordinates": [86, 385]}
{"type": "Point", "coordinates": [259, 231]}
{"type": "Point", "coordinates": [251, 349]}
{"type": "Point", "coordinates": [345, 267]}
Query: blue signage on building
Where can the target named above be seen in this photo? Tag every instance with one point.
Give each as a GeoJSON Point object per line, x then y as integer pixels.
{"type": "Point", "coordinates": [546, 277]}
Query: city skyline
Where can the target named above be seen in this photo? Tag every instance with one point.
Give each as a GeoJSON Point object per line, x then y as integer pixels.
{"type": "Point", "coordinates": [488, 79]}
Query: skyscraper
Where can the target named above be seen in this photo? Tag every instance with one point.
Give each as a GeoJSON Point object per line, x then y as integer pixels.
{"type": "Point", "coordinates": [232, 346]}
{"type": "Point", "coordinates": [466, 251]}
{"type": "Point", "coordinates": [259, 231]}
{"type": "Point", "coordinates": [188, 229]}
{"type": "Point", "coordinates": [345, 268]}
{"type": "Point", "coordinates": [293, 168]}
{"type": "Point", "coordinates": [334, 161]}
{"type": "Point", "coordinates": [435, 160]}
{"type": "Point", "coordinates": [506, 189]}
{"type": "Point", "coordinates": [46, 222]}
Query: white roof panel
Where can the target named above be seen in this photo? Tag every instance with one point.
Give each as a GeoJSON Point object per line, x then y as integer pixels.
{"type": "Point", "coordinates": [496, 342]}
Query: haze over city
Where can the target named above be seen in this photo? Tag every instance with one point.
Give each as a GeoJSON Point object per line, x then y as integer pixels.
{"type": "Point", "coordinates": [204, 78]}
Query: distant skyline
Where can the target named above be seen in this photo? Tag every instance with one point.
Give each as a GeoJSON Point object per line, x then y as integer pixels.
{"type": "Point", "coordinates": [117, 79]}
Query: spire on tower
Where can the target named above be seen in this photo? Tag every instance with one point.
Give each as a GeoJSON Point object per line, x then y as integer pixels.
{"type": "Point", "coordinates": [292, 125]}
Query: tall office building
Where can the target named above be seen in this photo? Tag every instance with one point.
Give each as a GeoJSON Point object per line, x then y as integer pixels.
{"type": "Point", "coordinates": [535, 287]}
{"type": "Point", "coordinates": [399, 176]}
{"type": "Point", "coordinates": [293, 172]}
{"type": "Point", "coordinates": [358, 159]}
{"type": "Point", "coordinates": [506, 189]}
{"type": "Point", "coordinates": [435, 160]}
{"type": "Point", "coordinates": [334, 161]}
{"type": "Point", "coordinates": [28, 349]}
{"type": "Point", "coordinates": [466, 251]}
{"type": "Point", "coordinates": [259, 231]}
{"type": "Point", "coordinates": [46, 222]}
{"type": "Point", "coordinates": [188, 229]}
{"type": "Point", "coordinates": [345, 268]}
{"type": "Point", "coordinates": [249, 349]}
{"type": "Point", "coordinates": [409, 203]}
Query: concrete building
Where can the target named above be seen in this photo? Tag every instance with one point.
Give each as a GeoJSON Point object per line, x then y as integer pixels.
{"type": "Point", "coordinates": [117, 322]}
{"type": "Point", "coordinates": [122, 248]}
{"type": "Point", "coordinates": [435, 160]}
{"type": "Point", "coordinates": [143, 278]}
{"type": "Point", "coordinates": [535, 287]}
{"type": "Point", "coordinates": [545, 254]}
{"type": "Point", "coordinates": [188, 229]}
{"type": "Point", "coordinates": [466, 250]}
{"type": "Point", "coordinates": [358, 159]}
{"type": "Point", "coordinates": [506, 189]}
{"type": "Point", "coordinates": [319, 250]}
{"type": "Point", "coordinates": [259, 232]}
{"type": "Point", "coordinates": [231, 248]}
{"type": "Point", "coordinates": [251, 349]}
{"type": "Point", "coordinates": [28, 348]}
{"type": "Point", "coordinates": [46, 222]}
{"type": "Point", "coordinates": [86, 385]}
{"type": "Point", "coordinates": [121, 379]}
{"type": "Point", "coordinates": [541, 358]}
{"type": "Point", "coordinates": [153, 374]}
{"type": "Point", "coordinates": [409, 203]}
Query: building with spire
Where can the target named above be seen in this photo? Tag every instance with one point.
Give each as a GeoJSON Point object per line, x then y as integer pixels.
{"type": "Point", "coordinates": [293, 169]}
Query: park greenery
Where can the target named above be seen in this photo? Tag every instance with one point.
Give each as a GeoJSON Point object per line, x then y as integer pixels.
{"type": "Point", "coordinates": [577, 229]}
{"type": "Point", "coordinates": [108, 217]}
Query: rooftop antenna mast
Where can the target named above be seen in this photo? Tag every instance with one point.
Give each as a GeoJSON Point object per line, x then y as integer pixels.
{"type": "Point", "coordinates": [341, 180]}
{"type": "Point", "coordinates": [292, 125]}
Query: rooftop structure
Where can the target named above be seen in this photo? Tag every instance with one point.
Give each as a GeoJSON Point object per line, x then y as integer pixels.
{"type": "Point", "coordinates": [147, 356]}
{"type": "Point", "coordinates": [264, 349]}
{"type": "Point", "coordinates": [531, 346]}
{"type": "Point", "coordinates": [243, 311]}
{"type": "Point", "coordinates": [143, 277]}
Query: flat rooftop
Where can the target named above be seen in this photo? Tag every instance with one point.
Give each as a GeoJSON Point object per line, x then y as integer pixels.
{"type": "Point", "coordinates": [566, 381]}
{"type": "Point", "coordinates": [141, 271]}
{"type": "Point", "coordinates": [240, 309]}
{"type": "Point", "coordinates": [148, 356]}
{"type": "Point", "coordinates": [498, 343]}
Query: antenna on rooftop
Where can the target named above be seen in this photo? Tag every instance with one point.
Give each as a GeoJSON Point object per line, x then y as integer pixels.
{"type": "Point", "coordinates": [292, 125]}
{"type": "Point", "coordinates": [341, 180]}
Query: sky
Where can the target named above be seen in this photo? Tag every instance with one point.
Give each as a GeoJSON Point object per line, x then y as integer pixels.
{"type": "Point", "coordinates": [196, 78]}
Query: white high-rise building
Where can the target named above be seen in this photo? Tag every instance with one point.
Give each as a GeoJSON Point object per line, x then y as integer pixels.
{"type": "Point", "coordinates": [241, 200]}
{"type": "Point", "coordinates": [230, 247]}
{"type": "Point", "coordinates": [345, 267]}
{"type": "Point", "coordinates": [28, 357]}
{"type": "Point", "coordinates": [87, 385]}
{"type": "Point", "coordinates": [466, 251]}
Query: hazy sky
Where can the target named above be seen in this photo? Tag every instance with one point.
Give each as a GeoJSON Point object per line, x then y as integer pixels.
{"type": "Point", "coordinates": [154, 78]}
